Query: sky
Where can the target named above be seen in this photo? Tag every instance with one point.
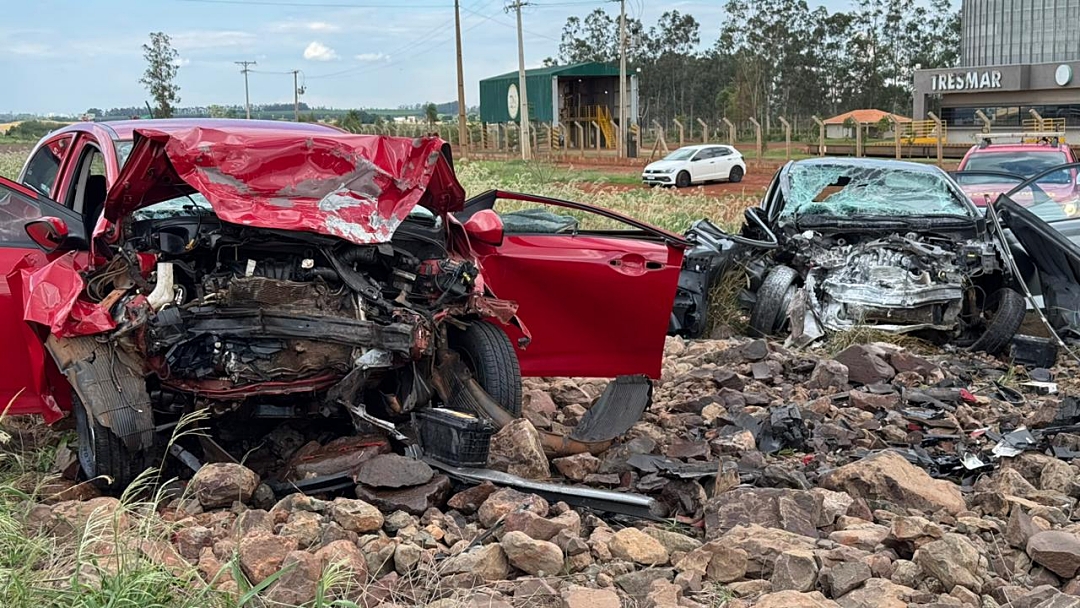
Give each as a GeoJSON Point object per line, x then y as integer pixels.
{"type": "Point", "coordinates": [65, 56]}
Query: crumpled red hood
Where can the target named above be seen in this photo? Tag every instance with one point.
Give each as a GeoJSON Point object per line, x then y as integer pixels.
{"type": "Point", "coordinates": [357, 187]}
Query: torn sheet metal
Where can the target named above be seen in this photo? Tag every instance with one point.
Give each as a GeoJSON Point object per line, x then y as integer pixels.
{"type": "Point", "coordinates": [50, 296]}
{"type": "Point", "coordinates": [356, 187]}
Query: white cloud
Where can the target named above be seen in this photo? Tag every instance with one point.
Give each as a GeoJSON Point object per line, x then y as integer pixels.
{"type": "Point", "coordinates": [372, 57]}
{"type": "Point", "coordinates": [305, 26]}
{"type": "Point", "coordinates": [31, 49]}
{"type": "Point", "coordinates": [317, 51]}
{"type": "Point", "coordinates": [182, 61]}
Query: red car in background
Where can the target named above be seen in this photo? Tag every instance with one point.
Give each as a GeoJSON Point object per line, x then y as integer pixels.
{"type": "Point", "coordinates": [989, 170]}
{"type": "Point", "coordinates": [266, 270]}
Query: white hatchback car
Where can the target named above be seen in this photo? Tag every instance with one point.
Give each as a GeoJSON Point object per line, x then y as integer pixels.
{"type": "Point", "coordinates": [695, 165]}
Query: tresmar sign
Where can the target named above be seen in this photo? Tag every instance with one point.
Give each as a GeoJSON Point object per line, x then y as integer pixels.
{"type": "Point", "coordinates": [971, 80]}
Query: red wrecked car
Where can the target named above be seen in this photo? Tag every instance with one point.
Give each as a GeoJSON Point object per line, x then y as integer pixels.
{"type": "Point", "coordinates": [266, 270]}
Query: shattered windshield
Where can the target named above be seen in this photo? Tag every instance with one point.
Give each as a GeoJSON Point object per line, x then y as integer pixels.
{"type": "Point", "coordinates": [841, 190]}
{"type": "Point", "coordinates": [681, 154]}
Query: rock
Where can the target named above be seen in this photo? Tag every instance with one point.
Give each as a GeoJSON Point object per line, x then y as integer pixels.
{"type": "Point", "coordinates": [796, 511]}
{"type": "Point", "coordinates": [1035, 597]}
{"type": "Point", "coordinates": [878, 593]}
{"type": "Point", "coordinates": [487, 562]}
{"type": "Point", "coordinates": [406, 557]}
{"type": "Point", "coordinates": [865, 537]}
{"type": "Point", "coordinates": [888, 476]}
{"type": "Point", "coordinates": [906, 573]}
{"type": "Point", "coordinates": [305, 527]}
{"type": "Point", "coordinates": [755, 350]}
{"type": "Point", "coordinates": [414, 500]}
{"type": "Point", "coordinates": [763, 546]}
{"type": "Point", "coordinates": [252, 521]}
{"type": "Point", "coordinates": [468, 501]}
{"type": "Point", "coordinates": [538, 528]}
{"type": "Point", "coordinates": [578, 466]}
{"type": "Point", "coordinates": [794, 599]}
{"type": "Point", "coordinates": [262, 554]}
{"type": "Point", "coordinates": [673, 542]}
{"type": "Point", "coordinates": [751, 589]}
{"type": "Point", "coordinates": [516, 449]}
{"type": "Point", "coordinates": [565, 391]}
{"type": "Point", "coordinates": [828, 374]}
{"type": "Point", "coordinates": [537, 557]}
{"type": "Point", "coordinates": [728, 564]}
{"type": "Point", "coordinates": [864, 365]}
{"type": "Point", "coordinates": [1020, 528]}
{"type": "Point", "coordinates": [1057, 551]}
{"type": "Point", "coordinates": [539, 403]}
{"type": "Point", "coordinates": [393, 471]}
{"type": "Point", "coordinates": [378, 552]}
{"type": "Point", "coordinates": [583, 597]}
{"type": "Point", "coordinates": [846, 577]}
{"type": "Point", "coordinates": [833, 505]}
{"type": "Point", "coordinates": [346, 556]}
{"type": "Point", "coordinates": [662, 594]}
{"type": "Point", "coordinates": [634, 545]}
{"type": "Point", "coordinates": [953, 560]}
{"type": "Point", "coordinates": [507, 500]}
{"type": "Point", "coordinates": [220, 484]}
{"type": "Point", "coordinates": [965, 596]}
{"type": "Point", "coordinates": [871, 402]}
{"type": "Point", "coordinates": [794, 570]}
{"type": "Point", "coordinates": [637, 584]}
{"type": "Point", "coordinates": [299, 584]}
{"type": "Point", "coordinates": [908, 533]}
{"type": "Point", "coordinates": [191, 540]}
{"type": "Point", "coordinates": [356, 515]}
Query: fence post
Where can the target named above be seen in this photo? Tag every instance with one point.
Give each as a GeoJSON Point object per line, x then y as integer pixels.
{"type": "Point", "coordinates": [682, 133]}
{"type": "Point", "coordinates": [820, 135]}
{"type": "Point", "coordinates": [757, 136]}
{"type": "Point", "coordinates": [896, 135]}
{"type": "Point", "coordinates": [660, 139]}
{"type": "Point", "coordinates": [939, 131]}
{"type": "Point", "coordinates": [787, 137]}
{"type": "Point", "coordinates": [858, 139]}
{"type": "Point", "coordinates": [581, 137]}
{"type": "Point", "coordinates": [985, 120]}
{"type": "Point", "coordinates": [731, 132]}
{"type": "Point", "coordinates": [704, 131]}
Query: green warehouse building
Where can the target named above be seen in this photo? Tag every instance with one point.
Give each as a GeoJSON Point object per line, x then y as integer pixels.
{"type": "Point", "coordinates": [564, 97]}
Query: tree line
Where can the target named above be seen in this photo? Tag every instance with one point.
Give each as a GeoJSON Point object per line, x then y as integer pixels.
{"type": "Point", "coordinates": [773, 58]}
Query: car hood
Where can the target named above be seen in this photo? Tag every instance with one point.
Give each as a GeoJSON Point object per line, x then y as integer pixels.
{"type": "Point", "coordinates": [356, 187]}
{"type": "Point", "coordinates": [665, 165]}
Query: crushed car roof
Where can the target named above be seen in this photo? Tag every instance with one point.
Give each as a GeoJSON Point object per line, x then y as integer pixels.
{"type": "Point", "coordinates": [356, 187]}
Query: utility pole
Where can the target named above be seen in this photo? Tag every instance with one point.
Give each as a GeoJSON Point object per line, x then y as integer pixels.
{"type": "Point", "coordinates": [523, 115]}
{"type": "Point", "coordinates": [623, 148]}
{"type": "Point", "coordinates": [244, 71]}
{"type": "Point", "coordinates": [463, 141]}
{"type": "Point", "coordinates": [297, 92]}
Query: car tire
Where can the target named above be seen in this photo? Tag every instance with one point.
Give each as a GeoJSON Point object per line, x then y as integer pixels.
{"type": "Point", "coordinates": [736, 174]}
{"type": "Point", "coordinates": [1004, 313]}
{"type": "Point", "coordinates": [773, 297]}
{"type": "Point", "coordinates": [103, 457]}
{"type": "Point", "coordinates": [682, 180]}
{"type": "Point", "coordinates": [490, 356]}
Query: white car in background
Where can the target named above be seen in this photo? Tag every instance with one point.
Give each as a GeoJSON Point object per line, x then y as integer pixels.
{"type": "Point", "coordinates": [696, 165]}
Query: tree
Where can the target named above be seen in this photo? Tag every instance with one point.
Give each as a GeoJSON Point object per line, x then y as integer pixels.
{"type": "Point", "coordinates": [351, 122]}
{"type": "Point", "coordinates": [431, 114]}
{"type": "Point", "coordinates": [160, 76]}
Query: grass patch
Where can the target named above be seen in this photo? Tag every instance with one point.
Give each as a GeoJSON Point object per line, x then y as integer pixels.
{"type": "Point", "coordinates": [544, 173]}
{"type": "Point", "coordinates": [725, 311]}
{"type": "Point", "coordinates": [661, 207]}
{"type": "Point", "coordinates": [11, 163]}
{"type": "Point", "coordinates": [867, 334]}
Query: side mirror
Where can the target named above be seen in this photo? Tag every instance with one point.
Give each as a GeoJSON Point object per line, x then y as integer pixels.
{"type": "Point", "coordinates": [48, 232]}
{"type": "Point", "coordinates": [485, 226]}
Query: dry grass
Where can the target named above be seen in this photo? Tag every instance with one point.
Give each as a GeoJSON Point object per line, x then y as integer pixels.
{"type": "Point", "coordinates": [867, 334]}
{"type": "Point", "coordinates": [11, 162]}
{"type": "Point", "coordinates": [725, 310]}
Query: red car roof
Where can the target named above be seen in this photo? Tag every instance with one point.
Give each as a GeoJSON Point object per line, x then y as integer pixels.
{"type": "Point", "coordinates": [125, 129]}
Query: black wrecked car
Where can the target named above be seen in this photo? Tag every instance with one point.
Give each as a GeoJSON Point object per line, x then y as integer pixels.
{"type": "Point", "coordinates": [843, 243]}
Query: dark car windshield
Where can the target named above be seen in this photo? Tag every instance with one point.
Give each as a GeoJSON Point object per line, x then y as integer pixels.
{"type": "Point", "coordinates": [843, 190]}
{"type": "Point", "coordinates": [1027, 164]}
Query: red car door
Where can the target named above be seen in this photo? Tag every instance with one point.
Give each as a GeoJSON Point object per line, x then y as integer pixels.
{"type": "Point", "coordinates": [597, 301]}
{"type": "Point", "coordinates": [27, 375]}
